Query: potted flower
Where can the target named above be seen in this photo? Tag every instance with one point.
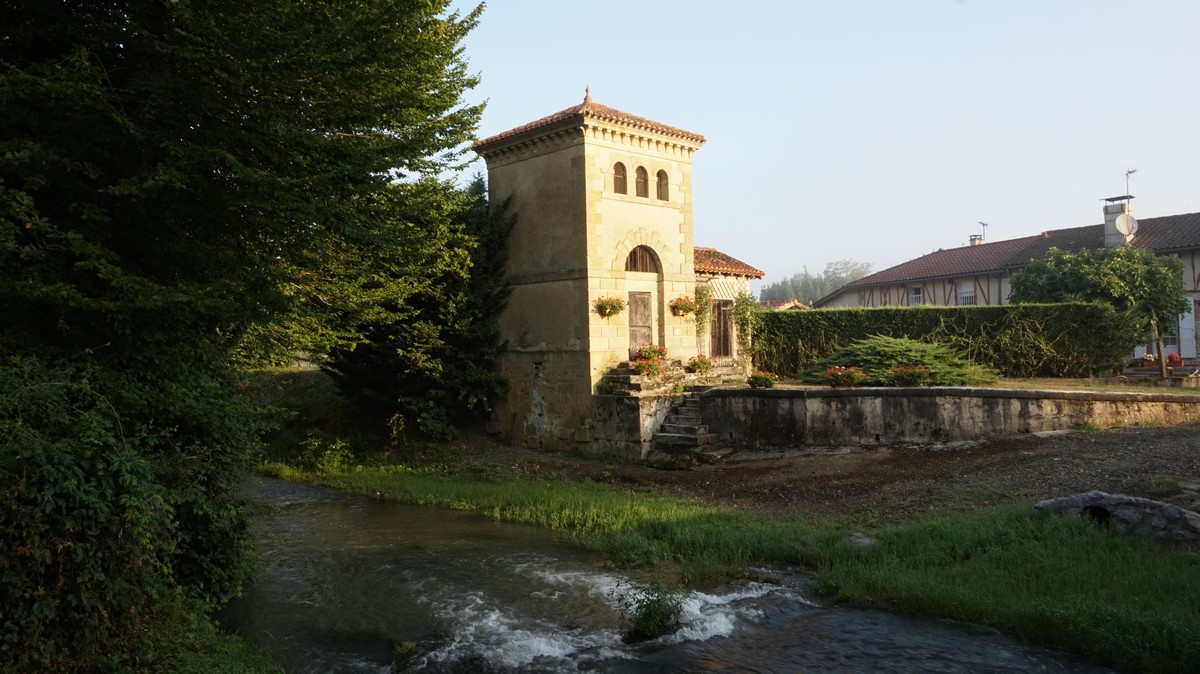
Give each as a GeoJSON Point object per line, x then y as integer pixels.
{"type": "Point", "coordinates": [683, 305]}
{"type": "Point", "coordinates": [1149, 360]}
{"type": "Point", "coordinates": [700, 364]}
{"type": "Point", "coordinates": [762, 379]}
{"type": "Point", "coordinates": [909, 375]}
{"type": "Point", "coordinates": [648, 360]}
{"type": "Point", "coordinates": [838, 376]}
{"type": "Point", "coordinates": [609, 306]}
{"type": "Point", "coordinates": [1174, 360]}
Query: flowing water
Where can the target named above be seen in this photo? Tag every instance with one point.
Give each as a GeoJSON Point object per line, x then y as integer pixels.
{"type": "Point", "coordinates": [347, 579]}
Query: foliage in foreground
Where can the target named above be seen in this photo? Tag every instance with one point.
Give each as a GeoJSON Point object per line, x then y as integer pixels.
{"type": "Point", "coordinates": [877, 356]}
{"type": "Point", "coordinates": [429, 337]}
{"type": "Point", "coordinates": [173, 176]}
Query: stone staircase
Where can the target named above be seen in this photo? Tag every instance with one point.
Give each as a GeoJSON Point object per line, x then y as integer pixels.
{"type": "Point", "coordinates": [683, 439]}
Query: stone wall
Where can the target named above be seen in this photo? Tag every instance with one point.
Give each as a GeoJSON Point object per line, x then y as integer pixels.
{"type": "Point", "coordinates": [787, 418]}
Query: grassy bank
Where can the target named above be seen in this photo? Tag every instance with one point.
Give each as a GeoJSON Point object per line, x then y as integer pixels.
{"type": "Point", "coordinates": [1129, 603]}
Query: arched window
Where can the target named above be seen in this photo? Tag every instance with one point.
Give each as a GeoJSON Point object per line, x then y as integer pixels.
{"type": "Point", "coordinates": [663, 194]}
{"type": "Point", "coordinates": [643, 183]}
{"type": "Point", "coordinates": [619, 179]}
{"type": "Point", "coordinates": [642, 259]}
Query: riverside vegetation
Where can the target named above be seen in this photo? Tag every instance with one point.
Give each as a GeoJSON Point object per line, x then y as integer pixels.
{"type": "Point", "coordinates": [1047, 579]}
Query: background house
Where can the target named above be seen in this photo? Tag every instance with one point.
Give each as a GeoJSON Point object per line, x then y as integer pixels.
{"type": "Point", "coordinates": [981, 273]}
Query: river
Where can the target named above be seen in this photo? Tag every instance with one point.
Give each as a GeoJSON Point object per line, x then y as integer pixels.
{"type": "Point", "coordinates": [347, 579]}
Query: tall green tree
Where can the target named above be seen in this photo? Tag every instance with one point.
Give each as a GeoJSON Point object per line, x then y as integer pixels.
{"type": "Point", "coordinates": [428, 324]}
{"type": "Point", "coordinates": [174, 173]}
{"type": "Point", "coordinates": [809, 288]}
{"type": "Point", "coordinates": [1134, 280]}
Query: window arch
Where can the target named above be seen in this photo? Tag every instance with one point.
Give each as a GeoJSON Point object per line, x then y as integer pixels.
{"type": "Point", "coordinates": [619, 184]}
{"type": "Point", "coordinates": [643, 259]}
{"type": "Point", "coordinates": [643, 182]}
{"type": "Point", "coordinates": [663, 190]}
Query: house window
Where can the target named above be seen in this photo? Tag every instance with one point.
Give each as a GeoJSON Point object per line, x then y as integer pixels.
{"type": "Point", "coordinates": [619, 179]}
{"type": "Point", "coordinates": [641, 259]}
{"type": "Point", "coordinates": [643, 182]}
{"type": "Point", "coordinates": [914, 297]}
{"type": "Point", "coordinates": [966, 297]}
{"type": "Point", "coordinates": [663, 193]}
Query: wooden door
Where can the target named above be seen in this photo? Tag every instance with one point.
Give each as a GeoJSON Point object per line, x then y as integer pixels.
{"type": "Point", "coordinates": [722, 329]}
{"type": "Point", "coordinates": [641, 328]}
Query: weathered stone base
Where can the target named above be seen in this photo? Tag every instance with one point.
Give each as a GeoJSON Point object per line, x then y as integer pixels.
{"type": "Point", "coordinates": [1129, 514]}
{"type": "Point", "coordinates": [796, 418]}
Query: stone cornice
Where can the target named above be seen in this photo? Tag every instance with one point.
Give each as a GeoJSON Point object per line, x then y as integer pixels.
{"type": "Point", "coordinates": [549, 139]}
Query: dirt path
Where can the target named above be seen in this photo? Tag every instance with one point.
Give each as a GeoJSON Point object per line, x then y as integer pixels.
{"type": "Point", "coordinates": [894, 484]}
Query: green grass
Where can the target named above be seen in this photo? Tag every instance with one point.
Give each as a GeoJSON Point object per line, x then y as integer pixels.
{"type": "Point", "coordinates": [180, 638]}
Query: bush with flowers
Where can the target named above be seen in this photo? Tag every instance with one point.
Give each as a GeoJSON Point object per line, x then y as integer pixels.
{"type": "Point", "coordinates": [648, 360]}
{"type": "Point", "coordinates": [683, 305]}
{"type": "Point", "coordinates": [700, 364]}
{"type": "Point", "coordinates": [839, 376]}
{"type": "Point", "coordinates": [762, 379]}
{"type": "Point", "coordinates": [909, 375]}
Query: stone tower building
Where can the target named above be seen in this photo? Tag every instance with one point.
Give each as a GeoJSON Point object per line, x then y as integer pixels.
{"type": "Point", "coordinates": [603, 201]}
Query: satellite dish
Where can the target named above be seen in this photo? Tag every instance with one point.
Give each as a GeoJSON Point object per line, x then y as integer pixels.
{"type": "Point", "coordinates": [1126, 224]}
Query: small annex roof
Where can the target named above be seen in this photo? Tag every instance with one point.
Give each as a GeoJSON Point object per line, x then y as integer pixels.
{"type": "Point", "coordinates": [782, 305]}
{"type": "Point", "coordinates": [713, 261]}
{"type": "Point", "coordinates": [1162, 235]}
{"type": "Point", "coordinates": [578, 113]}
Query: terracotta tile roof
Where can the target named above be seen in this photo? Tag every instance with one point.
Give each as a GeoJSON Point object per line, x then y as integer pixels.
{"type": "Point", "coordinates": [588, 109]}
{"type": "Point", "coordinates": [1163, 235]}
{"type": "Point", "coordinates": [713, 261]}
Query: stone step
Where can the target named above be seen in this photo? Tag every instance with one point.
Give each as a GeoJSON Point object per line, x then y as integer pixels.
{"type": "Point", "coordinates": [682, 439]}
{"type": "Point", "coordinates": [684, 429]}
{"type": "Point", "coordinates": [713, 455]}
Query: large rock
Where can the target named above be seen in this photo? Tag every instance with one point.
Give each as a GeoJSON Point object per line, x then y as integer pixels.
{"type": "Point", "coordinates": [1129, 514]}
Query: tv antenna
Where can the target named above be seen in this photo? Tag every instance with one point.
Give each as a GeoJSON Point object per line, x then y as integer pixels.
{"type": "Point", "coordinates": [1128, 172]}
{"type": "Point", "coordinates": [983, 225]}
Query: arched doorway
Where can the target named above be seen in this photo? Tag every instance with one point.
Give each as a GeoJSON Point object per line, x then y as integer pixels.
{"type": "Point", "coordinates": [642, 271]}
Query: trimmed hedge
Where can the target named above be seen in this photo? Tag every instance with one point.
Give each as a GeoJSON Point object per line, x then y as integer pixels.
{"type": "Point", "coordinates": [1074, 339]}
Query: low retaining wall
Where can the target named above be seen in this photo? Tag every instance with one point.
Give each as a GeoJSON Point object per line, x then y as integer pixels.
{"type": "Point", "coordinates": [783, 418]}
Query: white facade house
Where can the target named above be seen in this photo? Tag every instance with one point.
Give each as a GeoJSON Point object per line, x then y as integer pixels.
{"type": "Point", "coordinates": [980, 273]}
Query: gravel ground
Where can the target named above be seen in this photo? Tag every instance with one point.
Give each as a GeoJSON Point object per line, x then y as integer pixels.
{"type": "Point", "coordinates": [876, 486]}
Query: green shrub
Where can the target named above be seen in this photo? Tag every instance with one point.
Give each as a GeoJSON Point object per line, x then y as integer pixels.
{"type": "Point", "coordinates": [648, 610]}
{"type": "Point", "coordinates": [878, 355]}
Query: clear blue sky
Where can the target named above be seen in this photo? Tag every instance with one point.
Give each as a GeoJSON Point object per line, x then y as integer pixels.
{"type": "Point", "coordinates": [874, 130]}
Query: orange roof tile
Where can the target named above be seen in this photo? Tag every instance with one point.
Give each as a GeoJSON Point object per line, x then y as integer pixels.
{"type": "Point", "coordinates": [588, 109]}
{"type": "Point", "coordinates": [713, 261]}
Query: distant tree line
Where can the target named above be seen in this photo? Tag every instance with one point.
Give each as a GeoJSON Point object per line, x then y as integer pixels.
{"type": "Point", "coordinates": [808, 287]}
